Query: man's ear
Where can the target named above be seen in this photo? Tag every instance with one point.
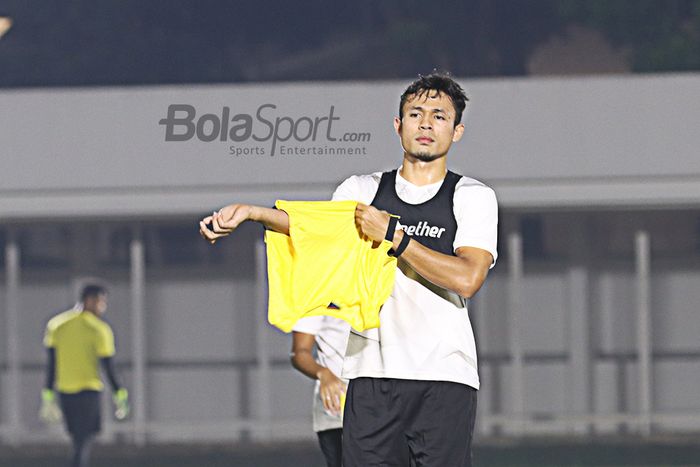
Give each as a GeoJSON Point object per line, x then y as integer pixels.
{"type": "Point", "coordinates": [397, 125]}
{"type": "Point", "coordinates": [458, 133]}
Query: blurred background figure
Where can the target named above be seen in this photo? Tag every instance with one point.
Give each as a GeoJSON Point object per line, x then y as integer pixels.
{"type": "Point", "coordinates": [329, 337]}
{"type": "Point", "coordinates": [77, 343]}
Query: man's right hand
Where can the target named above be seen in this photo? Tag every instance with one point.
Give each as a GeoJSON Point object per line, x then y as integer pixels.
{"type": "Point", "coordinates": [121, 404]}
{"type": "Point", "coordinates": [223, 222]}
{"type": "Point", "coordinates": [332, 391]}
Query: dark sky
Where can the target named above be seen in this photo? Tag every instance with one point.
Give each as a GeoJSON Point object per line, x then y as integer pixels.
{"type": "Point", "coordinates": [108, 42]}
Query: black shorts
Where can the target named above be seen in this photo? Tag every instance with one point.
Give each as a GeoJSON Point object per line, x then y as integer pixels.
{"type": "Point", "coordinates": [81, 413]}
{"type": "Point", "coordinates": [394, 422]}
{"type": "Point", "coordinates": [331, 442]}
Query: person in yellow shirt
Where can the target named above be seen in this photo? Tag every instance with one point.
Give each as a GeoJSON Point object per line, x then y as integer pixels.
{"type": "Point", "coordinates": [78, 342]}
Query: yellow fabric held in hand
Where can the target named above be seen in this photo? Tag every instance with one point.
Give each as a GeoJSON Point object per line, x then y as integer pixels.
{"type": "Point", "coordinates": [324, 267]}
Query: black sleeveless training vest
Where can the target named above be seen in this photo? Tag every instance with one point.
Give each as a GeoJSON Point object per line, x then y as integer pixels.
{"type": "Point", "coordinates": [431, 223]}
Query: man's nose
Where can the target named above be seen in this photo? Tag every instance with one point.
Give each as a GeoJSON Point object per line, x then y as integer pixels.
{"type": "Point", "coordinates": [425, 123]}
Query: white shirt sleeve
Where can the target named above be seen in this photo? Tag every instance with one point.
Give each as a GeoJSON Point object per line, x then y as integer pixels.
{"type": "Point", "coordinates": [476, 211]}
{"type": "Point", "coordinates": [361, 188]}
{"type": "Point", "coordinates": [346, 191]}
{"type": "Point", "coordinates": [309, 325]}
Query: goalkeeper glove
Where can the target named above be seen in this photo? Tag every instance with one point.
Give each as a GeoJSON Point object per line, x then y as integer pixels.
{"type": "Point", "coordinates": [121, 404]}
{"type": "Point", "coordinates": [50, 413]}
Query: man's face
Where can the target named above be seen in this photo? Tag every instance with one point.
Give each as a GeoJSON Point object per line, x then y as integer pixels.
{"type": "Point", "coordinates": [427, 128]}
{"type": "Point", "coordinates": [97, 304]}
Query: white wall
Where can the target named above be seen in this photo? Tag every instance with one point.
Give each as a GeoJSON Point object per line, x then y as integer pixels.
{"type": "Point", "coordinates": [540, 142]}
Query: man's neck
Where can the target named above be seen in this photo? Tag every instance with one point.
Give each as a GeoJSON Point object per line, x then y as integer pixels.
{"type": "Point", "coordinates": [423, 173]}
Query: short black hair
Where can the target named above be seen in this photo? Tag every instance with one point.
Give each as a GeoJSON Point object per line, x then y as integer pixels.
{"type": "Point", "coordinates": [441, 82]}
{"type": "Point", "coordinates": [92, 290]}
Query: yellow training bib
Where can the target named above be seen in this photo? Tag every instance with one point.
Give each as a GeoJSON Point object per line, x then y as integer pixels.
{"type": "Point", "coordinates": [324, 267]}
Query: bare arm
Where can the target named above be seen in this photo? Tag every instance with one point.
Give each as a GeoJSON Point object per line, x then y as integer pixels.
{"type": "Point", "coordinates": [463, 274]}
{"type": "Point", "coordinates": [303, 360]}
{"type": "Point", "coordinates": [227, 219]}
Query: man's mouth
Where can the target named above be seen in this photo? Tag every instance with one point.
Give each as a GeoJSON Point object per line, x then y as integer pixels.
{"type": "Point", "coordinates": [424, 139]}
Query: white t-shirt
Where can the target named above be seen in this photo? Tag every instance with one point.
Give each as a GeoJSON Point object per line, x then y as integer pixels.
{"type": "Point", "coordinates": [423, 336]}
{"type": "Point", "coordinates": [331, 339]}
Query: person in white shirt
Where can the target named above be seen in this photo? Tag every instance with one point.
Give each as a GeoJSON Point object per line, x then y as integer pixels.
{"type": "Point", "coordinates": [413, 381]}
{"type": "Point", "coordinates": [329, 337]}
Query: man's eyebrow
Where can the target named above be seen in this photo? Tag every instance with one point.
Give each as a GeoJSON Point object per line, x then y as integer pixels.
{"type": "Point", "coordinates": [436, 110]}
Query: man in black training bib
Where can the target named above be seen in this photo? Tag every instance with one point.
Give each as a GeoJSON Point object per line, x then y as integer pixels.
{"type": "Point", "coordinates": [413, 381]}
{"type": "Point", "coordinates": [411, 399]}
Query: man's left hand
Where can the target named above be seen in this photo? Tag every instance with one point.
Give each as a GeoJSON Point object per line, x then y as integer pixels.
{"type": "Point", "coordinates": [371, 222]}
{"type": "Point", "coordinates": [50, 412]}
